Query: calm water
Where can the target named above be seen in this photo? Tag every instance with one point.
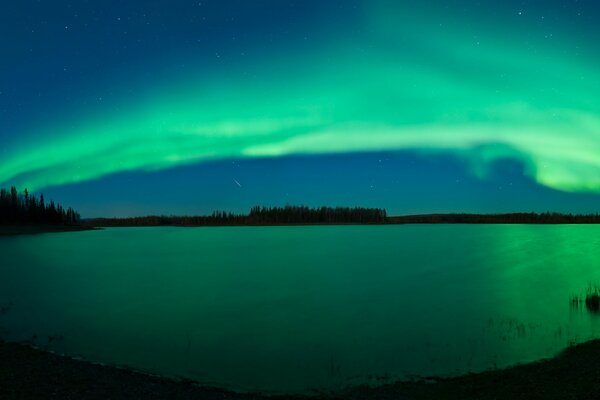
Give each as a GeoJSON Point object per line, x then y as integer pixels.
{"type": "Point", "coordinates": [295, 308]}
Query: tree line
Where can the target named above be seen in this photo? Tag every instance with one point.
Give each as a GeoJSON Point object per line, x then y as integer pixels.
{"type": "Point", "coordinates": [25, 208]}
{"type": "Point", "coordinates": [325, 215]}
{"type": "Point", "coordinates": [510, 218]}
{"type": "Point", "coordinates": [288, 215]}
{"type": "Point", "coordinates": [300, 215]}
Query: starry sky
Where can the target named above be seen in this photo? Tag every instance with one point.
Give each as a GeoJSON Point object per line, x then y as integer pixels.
{"type": "Point", "coordinates": [181, 107]}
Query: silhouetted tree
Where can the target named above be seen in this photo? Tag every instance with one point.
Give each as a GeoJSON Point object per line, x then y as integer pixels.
{"type": "Point", "coordinates": [27, 209]}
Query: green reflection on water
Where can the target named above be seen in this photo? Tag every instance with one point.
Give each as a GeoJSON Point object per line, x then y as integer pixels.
{"type": "Point", "coordinates": [292, 308]}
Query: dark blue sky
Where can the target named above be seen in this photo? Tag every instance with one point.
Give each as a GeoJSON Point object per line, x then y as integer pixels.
{"type": "Point", "coordinates": [402, 182]}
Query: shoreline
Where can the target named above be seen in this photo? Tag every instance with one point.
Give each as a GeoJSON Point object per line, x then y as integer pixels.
{"type": "Point", "coordinates": [17, 230]}
{"type": "Point", "coordinates": [242, 221]}
{"type": "Point", "coordinates": [31, 373]}
{"type": "Point", "coordinates": [298, 216]}
{"type": "Point", "coordinates": [102, 226]}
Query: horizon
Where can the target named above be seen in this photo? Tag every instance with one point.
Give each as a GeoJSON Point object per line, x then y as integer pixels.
{"type": "Point", "coordinates": [141, 109]}
{"type": "Point", "coordinates": [548, 212]}
{"type": "Point", "coordinates": [25, 197]}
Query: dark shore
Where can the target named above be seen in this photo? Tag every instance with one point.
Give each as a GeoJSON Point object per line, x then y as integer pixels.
{"type": "Point", "coordinates": [28, 373]}
{"type": "Point", "coordinates": [14, 230]}
{"type": "Point", "coordinates": [285, 217]}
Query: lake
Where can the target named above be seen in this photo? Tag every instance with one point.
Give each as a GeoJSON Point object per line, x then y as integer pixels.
{"type": "Point", "coordinates": [300, 308]}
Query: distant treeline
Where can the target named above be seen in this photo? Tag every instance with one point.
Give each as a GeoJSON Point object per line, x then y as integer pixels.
{"type": "Point", "coordinates": [300, 215]}
{"type": "Point", "coordinates": [27, 209]}
{"type": "Point", "coordinates": [288, 215]}
{"type": "Point", "coordinates": [512, 218]}
{"type": "Point", "coordinates": [24, 208]}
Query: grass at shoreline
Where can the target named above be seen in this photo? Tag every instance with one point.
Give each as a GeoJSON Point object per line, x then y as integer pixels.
{"type": "Point", "coordinates": [28, 373]}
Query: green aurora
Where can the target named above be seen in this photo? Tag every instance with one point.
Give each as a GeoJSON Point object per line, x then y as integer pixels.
{"type": "Point", "coordinates": [402, 79]}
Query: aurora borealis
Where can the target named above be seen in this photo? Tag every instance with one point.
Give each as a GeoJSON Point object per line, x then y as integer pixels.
{"type": "Point", "coordinates": [89, 92]}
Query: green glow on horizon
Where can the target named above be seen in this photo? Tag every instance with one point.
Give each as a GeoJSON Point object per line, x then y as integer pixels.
{"type": "Point", "coordinates": [480, 98]}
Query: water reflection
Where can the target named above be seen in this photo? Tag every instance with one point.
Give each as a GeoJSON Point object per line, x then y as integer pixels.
{"type": "Point", "coordinates": [294, 308]}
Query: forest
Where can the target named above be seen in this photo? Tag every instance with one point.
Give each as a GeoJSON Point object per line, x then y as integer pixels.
{"type": "Point", "coordinates": [302, 215]}
{"type": "Point", "coordinates": [24, 208]}
{"type": "Point", "coordinates": [288, 215]}
{"type": "Point", "coordinates": [27, 209]}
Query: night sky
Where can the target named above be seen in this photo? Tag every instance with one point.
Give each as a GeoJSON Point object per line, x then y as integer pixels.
{"type": "Point", "coordinates": [181, 107]}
